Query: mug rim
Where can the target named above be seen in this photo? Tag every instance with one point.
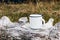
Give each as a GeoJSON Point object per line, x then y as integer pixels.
{"type": "Point", "coordinates": [35, 15]}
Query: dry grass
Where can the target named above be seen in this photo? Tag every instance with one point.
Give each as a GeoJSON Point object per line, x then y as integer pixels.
{"type": "Point", "coordinates": [15, 11]}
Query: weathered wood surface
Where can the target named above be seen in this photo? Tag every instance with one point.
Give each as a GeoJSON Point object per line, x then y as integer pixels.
{"type": "Point", "coordinates": [22, 31]}
{"type": "Point", "coordinates": [30, 34]}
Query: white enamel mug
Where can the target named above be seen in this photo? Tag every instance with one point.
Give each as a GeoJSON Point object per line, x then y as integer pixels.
{"type": "Point", "coordinates": [36, 21]}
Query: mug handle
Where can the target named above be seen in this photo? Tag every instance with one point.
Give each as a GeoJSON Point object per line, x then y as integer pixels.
{"type": "Point", "coordinates": [43, 21]}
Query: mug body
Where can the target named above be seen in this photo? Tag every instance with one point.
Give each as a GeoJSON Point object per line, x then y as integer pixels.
{"type": "Point", "coordinates": [35, 21]}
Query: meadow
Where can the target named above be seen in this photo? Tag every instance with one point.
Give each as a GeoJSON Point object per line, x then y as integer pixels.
{"type": "Point", "coordinates": [15, 11]}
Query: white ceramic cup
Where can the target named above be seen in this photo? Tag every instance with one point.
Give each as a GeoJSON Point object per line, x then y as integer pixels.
{"type": "Point", "coordinates": [36, 21]}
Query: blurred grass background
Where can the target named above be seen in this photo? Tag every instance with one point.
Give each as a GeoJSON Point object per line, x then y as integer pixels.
{"type": "Point", "coordinates": [15, 11]}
